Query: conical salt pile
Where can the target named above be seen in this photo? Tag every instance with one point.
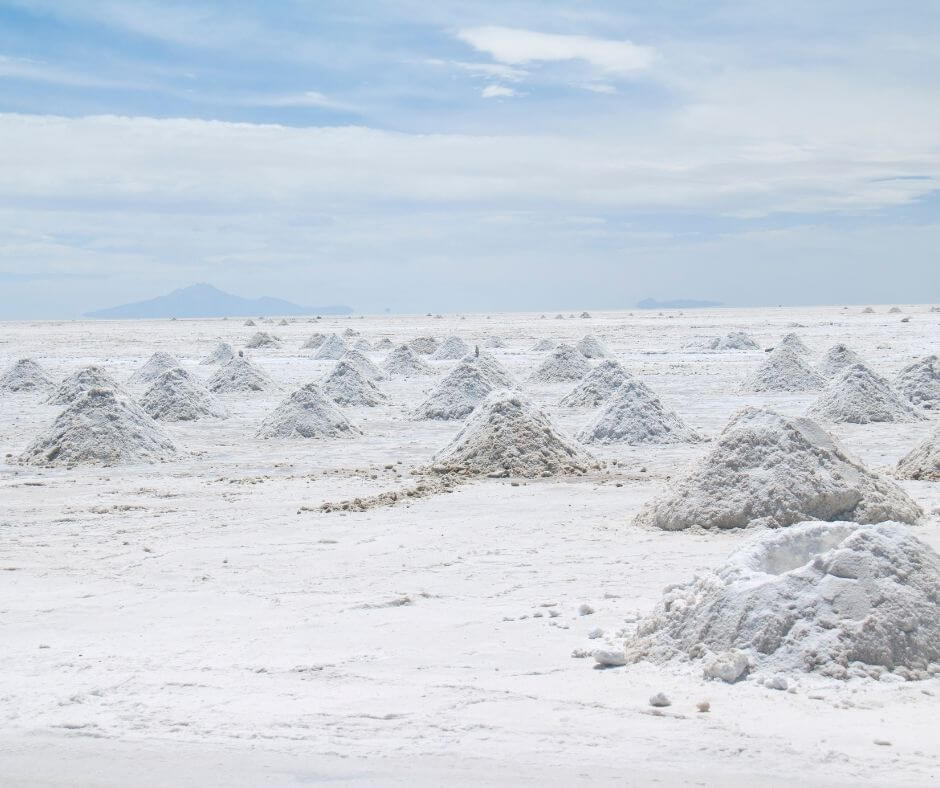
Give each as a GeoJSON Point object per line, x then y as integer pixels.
{"type": "Point", "coordinates": [923, 461]}
{"type": "Point", "coordinates": [465, 387]}
{"type": "Point", "coordinates": [239, 375]}
{"type": "Point", "coordinates": [26, 375]}
{"type": "Point", "coordinates": [836, 360]}
{"type": "Point", "coordinates": [508, 436]}
{"type": "Point", "coordinates": [859, 396]}
{"type": "Point", "coordinates": [590, 347]}
{"type": "Point", "coordinates": [635, 415]}
{"type": "Point", "coordinates": [155, 366]}
{"type": "Point", "coordinates": [564, 364]}
{"type": "Point", "coordinates": [384, 344]}
{"type": "Point", "coordinates": [543, 345]}
{"type": "Point", "coordinates": [495, 343]}
{"type": "Point", "coordinates": [597, 386]}
{"type": "Point", "coordinates": [362, 345]}
{"type": "Point", "coordinates": [222, 353]}
{"type": "Point", "coordinates": [783, 370]}
{"type": "Point", "coordinates": [307, 413]}
{"type": "Point", "coordinates": [350, 332]}
{"type": "Point", "coordinates": [366, 368]}
{"type": "Point", "coordinates": [80, 383]}
{"type": "Point", "coordinates": [792, 342]}
{"type": "Point", "coordinates": [262, 339]}
{"type": "Point", "coordinates": [346, 385]}
{"type": "Point", "coordinates": [178, 396]}
{"type": "Point", "coordinates": [314, 341]}
{"type": "Point", "coordinates": [403, 362]}
{"type": "Point", "coordinates": [451, 349]}
{"type": "Point", "coordinates": [100, 428]}
{"type": "Point", "coordinates": [249, 322]}
{"type": "Point", "coordinates": [767, 469]}
{"type": "Point", "coordinates": [424, 346]}
{"type": "Point", "coordinates": [332, 348]}
{"type": "Point", "coordinates": [920, 382]}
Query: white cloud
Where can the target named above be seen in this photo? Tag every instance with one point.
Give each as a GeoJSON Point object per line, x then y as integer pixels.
{"type": "Point", "coordinates": [498, 91]}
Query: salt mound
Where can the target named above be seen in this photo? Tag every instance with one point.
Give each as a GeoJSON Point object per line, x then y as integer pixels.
{"type": "Point", "coordinates": [732, 341]}
{"type": "Point", "coordinates": [838, 599]}
{"type": "Point", "coordinates": [465, 387]}
{"type": "Point", "coordinates": [794, 343]}
{"type": "Point", "coordinates": [402, 362]}
{"type": "Point", "coordinates": [868, 311]}
{"type": "Point", "coordinates": [767, 469]}
{"type": "Point", "coordinates": [920, 382]}
{"type": "Point", "coordinates": [239, 375]}
{"type": "Point", "coordinates": [837, 359]}
{"type": "Point", "coordinates": [783, 370]}
{"type": "Point", "coordinates": [156, 365]}
{"type": "Point", "coordinates": [923, 461]}
{"type": "Point", "coordinates": [451, 348]}
{"type": "Point", "coordinates": [306, 414]}
{"type": "Point", "coordinates": [346, 385]}
{"type": "Point", "coordinates": [365, 366]}
{"type": "Point", "coordinates": [362, 345]}
{"type": "Point", "coordinates": [590, 347]}
{"type": "Point", "coordinates": [350, 332]}
{"type": "Point", "coordinates": [100, 428]}
{"type": "Point", "coordinates": [508, 436]}
{"type": "Point", "coordinates": [332, 348]}
{"type": "Point", "coordinates": [178, 396]}
{"type": "Point", "coordinates": [495, 342]}
{"type": "Point", "coordinates": [542, 345]}
{"type": "Point", "coordinates": [314, 341]}
{"type": "Point", "coordinates": [262, 339]}
{"type": "Point", "coordinates": [283, 322]}
{"type": "Point", "coordinates": [859, 396]}
{"type": "Point", "coordinates": [424, 346]}
{"type": "Point", "coordinates": [597, 386]}
{"type": "Point", "coordinates": [895, 310]}
{"type": "Point", "coordinates": [222, 354]}
{"type": "Point", "coordinates": [80, 383]}
{"type": "Point", "coordinates": [384, 344]}
{"type": "Point", "coordinates": [564, 364]}
{"type": "Point", "coordinates": [249, 322]}
{"type": "Point", "coordinates": [635, 415]}
{"type": "Point", "coordinates": [26, 375]}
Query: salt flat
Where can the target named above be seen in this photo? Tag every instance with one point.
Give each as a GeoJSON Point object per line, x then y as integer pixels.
{"type": "Point", "coordinates": [203, 622]}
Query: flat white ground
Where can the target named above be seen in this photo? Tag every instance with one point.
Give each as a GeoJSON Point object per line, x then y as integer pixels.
{"type": "Point", "coordinates": [201, 623]}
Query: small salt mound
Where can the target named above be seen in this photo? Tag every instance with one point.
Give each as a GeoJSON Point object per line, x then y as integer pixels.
{"type": "Point", "coordinates": [100, 428]}
{"type": "Point", "coordinates": [249, 322]}
{"type": "Point", "coordinates": [178, 396]}
{"type": "Point", "coordinates": [920, 382]}
{"type": "Point", "coordinates": [346, 385]}
{"type": "Point", "coordinates": [495, 343]}
{"type": "Point", "coordinates": [837, 599]}
{"type": "Point", "coordinates": [156, 365]}
{"type": "Point", "coordinates": [590, 347]}
{"type": "Point", "coordinates": [262, 339]}
{"type": "Point", "coordinates": [221, 354]}
{"type": "Point", "coordinates": [564, 364]}
{"type": "Point", "coordinates": [923, 461]}
{"type": "Point", "coordinates": [895, 310]}
{"type": "Point", "coordinates": [283, 322]}
{"type": "Point", "coordinates": [384, 344]}
{"type": "Point", "coordinates": [314, 341]}
{"type": "Point", "coordinates": [307, 413]}
{"type": "Point", "coordinates": [597, 386]}
{"type": "Point", "coordinates": [332, 348]}
{"type": "Point", "coordinates": [403, 362]}
{"type": "Point", "coordinates": [451, 349]}
{"type": "Point", "coordinates": [365, 366]}
{"type": "Point", "coordinates": [635, 415]}
{"type": "Point", "coordinates": [465, 387]}
{"type": "Point", "coordinates": [508, 436]}
{"type": "Point", "coordinates": [542, 345]}
{"type": "Point", "coordinates": [767, 469]}
{"type": "Point", "coordinates": [859, 396]}
{"type": "Point", "coordinates": [239, 375]}
{"type": "Point", "coordinates": [350, 332]}
{"type": "Point", "coordinates": [868, 311]}
{"type": "Point", "coordinates": [26, 375]}
{"type": "Point", "coordinates": [362, 345]}
{"type": "Point", "coordinates": [732, 341]}
{"type": "Point", "coordinates": [783, 370]}
{"type": "Point", "coordinates": [80, 383]}
{"type": "Point", "coordinates": [794, 343]}
{"type": "Point", "coordinates": [424, 346]}
{"type": "Point", "coordinates": [836, 360]}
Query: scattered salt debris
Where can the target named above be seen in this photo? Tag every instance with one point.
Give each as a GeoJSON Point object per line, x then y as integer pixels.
{"type": "Point", "coordinates": [465, 387]}
{"type": "Point", "coordinates": [836, 360]}
{"type": "Point", "coordinates": [635, 415]}
{"type": "Point", "coordinates": [451, 349]}
{"type": "Point", "coordinates": [859, 396]}
{"type": "Point", "coordinates": [783, 370]}
{"type": "Point", "coordinates": [222, 353]}
{"type": "Point", "coordinates": [26, 375]}
{"type": "Point", "coordinates": [363, 364]}
{"type": "Point", "coordinates": [156, 365]}
{"type": "Point", "coordinates": [306, 413]}
{"type": "Point", "coordinates": [424, 346]}
{"type": "Point", "coordinates": [314, 341]}
{"type": "Point", "coordinates": [239, 375]}
{"type": "Point", "coordinates": [81, 382]}
{"type": "Point", "coordinates": [346, 385]}
{"type": "Point", "coordinates": [597, 386]}
{"type": "Point", "coordinates": [332, 348]}
{"type": "Point", "coordinates": [923, 461]}
{"type": "Point", "coordinates": [732, 341]}
{"type": "Point", "coordinates": [590, 347]}
{"type": "Point", "coordinates": [262, 339]}
{"type": "Point", "coordinates": [920, 382]}
{"type": "Point", "coordinates": [564, 364]}
{"type": "Point", "coordinates": [403, 362]}
{"type": "Point", "coordinates": [178, 396]}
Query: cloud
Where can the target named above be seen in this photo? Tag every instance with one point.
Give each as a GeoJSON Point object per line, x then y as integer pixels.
{"type": "Point", "coordinates": [498, 91]}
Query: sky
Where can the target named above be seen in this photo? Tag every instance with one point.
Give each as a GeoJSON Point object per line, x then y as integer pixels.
{"type": "Point", "coordinates": [453, 156]}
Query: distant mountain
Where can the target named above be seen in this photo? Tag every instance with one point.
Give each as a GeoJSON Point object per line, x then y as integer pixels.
{"type": "Point", "coordinates": [678, 303]}
{"type": "Point", "coordinates": [204, 300]}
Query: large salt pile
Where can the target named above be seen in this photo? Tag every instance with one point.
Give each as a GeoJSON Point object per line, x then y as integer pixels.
{"type": "Point", "coordinates": [839, 599]}
{"type": "Point", "coordinates": [836, 360]}
{"type": "Point", "coordinates": [783, 370]}
{"type": "Point", "coordinates": [597, 386]}
{"type": "Point", "coordinates": [424, 346]}
{"type": "Point", "coordinates": [732, 341]}
{"type": "Point", "coordinates": [100, 428]}
{"type": "Point", "coordinates": [81, 382]}
{"type": "Point", "coordinates": [403, 362]}
{"type": "Point", "coordinates": [794, 343]}
{"type": "Point", "coordinates": [451, 349]}
{"type": "Point", "coordinates": [365, 366]}
{"type": "Point", "coordinates": [564, 364]}
{"type": "Point", "coordinates": [923, 461]}
{"type": "Point", "coordinates": [26, 375]}
{"type": "Point", "coordinates": [314, 341]}
{"type": "Point", "coordinates": [346, 385]}
{"type": "Point", "coordinates": [635, 415]}
{"type": "Point", "coordinates": [590, 347]}
{"type": "Point", "coordinates": [306, 413]}
{"type": "Point", "coordinates": [262, 339]}
{"type": "Point", "coordinates": [221, 354]}
{"type": "Point", "coordinates": [767, 469]}
{"type": "Point", "coordinates": [859, 396]}
{"type": "Point", "coordinates": [155, 366]}
{"type": "Point", "coordinates": [920, 382]}
{"type": "Point", "coordinates": [332, 348]}
{"type": "Point", "coordinates": [178, 396]}
{"type": "Point", "coordinates": [239, 375]}
{"type": "Point", "coordinates": [465, 387]}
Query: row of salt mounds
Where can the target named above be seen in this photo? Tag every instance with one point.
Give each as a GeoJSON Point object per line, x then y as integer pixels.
{"type": "Point", "coordinates": [920, 382]}
{"type": "Point", "coordinates": [635, 415]}
{"type": "Point", "coordinates": [262, 339]}
{"type": "Point", "coordinates": [314, 341]}
{"type": "Point", "coordinates": [101, 428]}
{"type": "Point", "coordinates": [590, 347]}
{"type": "Point", "coordinates": [178, 396]}
{"type": "Point", "coordinates": [542, 345]}
{"type": "Point", "coordinates": [451, 349]}
{"type": "Point", "coordinates": [732, 341]}
{"type": "Point", "coordinates": [26, 375]}
{"type": "Point", "coordinates": [79, 383]}
{"type": "Point", "coordinates": [424, 346]}
{"type": "Point", "coordinates": [403, 362]}
{"type": "Point", "coordinates": [836, 360]}
{"type": "Point", "coordinates": [767, 469]}
{"type": "Point", "coordinates": [835, 598]}
{"type": "Point", "coordinates": [859, 396]}
{"type": "Point", "coordinates": [155, 366]}
{"type": "Point", "coordinates": [331, 349]}
{"type": "Point", "coordinates": [783, 370]}
{"type": "Point", "coordinates": [564, 364]}
{"type": "Point", "coordinates": [923, 461]}
{"type": "Point", "coordinates": [465, 387]}
{"type": "Point", "coordinates": [508, 436]}
{"type": "Point", "coordinates": [793, 342]}
{"type": "Point", "coordinates": [363, 364]}
{"type": "Point", "coordinates": [346, 385]}
{"type": "Point", "coordinates": [239, 375]}
{"type": "Point", "coordinates": [222, 353]}
{"type": "Point", "coordinates": [597, 386]}
{"type": "Point", "coordinates": [306, 413]}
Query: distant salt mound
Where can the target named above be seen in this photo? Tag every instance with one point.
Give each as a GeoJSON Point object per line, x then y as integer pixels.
{"type": "Point", "coordinates": [464, 388]}
{"type": "Point", "coordinates": [923, 461]}
{"type": "Point", "coordinates": [307, 413]}
{"type": "Point", "coordinates": [598, 385]}
{"type": "Point", "coordinates": [155, 366]}
{"type": "Point", "coordinates": [222, 353]}
{"type": "Point", "coordinates": [26, 376]}
{"type": "Point", "coordinates": [895, 310]}
{"type": "Point", "coordinates": [249, 322]}
{"type": "Point", "coordinates": [451, 349]}
{"type": "Point", "coordinates": [178, 396]}
{"type": "Point", "coordinates": [836, 360]}
{"type": "Point", "coordinates": [81, 382]}
{"type": "Point", "coordinates": [859, 396]}
{"type": "Point", "coordinates": [424, 346]}
{"type": "Point", "coordinates": [635, 415]}
{"type": "Point", "coordinates": [362, 345]}
{"type": "Point", "coordinates": [100, 428]}
{"type": "Point", "coordinates": [564, 364]}
{"type": "Point", "coordinates": [365, 366]}
{"type": "Point", "coordinates": [238, 376]}
{"type": "Point", "coordinates": [495, 343]}
{"type": "Point", "coordinates": [920, 382]}
{"type": "Point", "coordinates": [590, 347]}
{"type": "Point", "coordinates": [793, 342]}
{"type": "Point", "coordinates": [783, 370]}
{"type": "Point", "coordinates": [403, 362]}
{"type": "Point", "coordinates": [314, 341]}
{"type": "Point", "coordinates": [543, 345]}
{"type": "Point", "coordinates": [733, 341]}
{"type": "Point", "coordinates": [384, 344]}
{"type": "Point", "coordinates": [508, 436]}
{"type": "Point", "coordinates": [838, 599]}
{"type": "Point", "coordinates": [350, 332]}
{"type": "Point", "coordinates": [262, 339]}
{"type": "Point", "coordinates": [868, 311]}
{"type": "Point", "coordinates": [346, 385]}
{"type": "Point", "coordinates": [332, 348]}
{"type": "Point", "coordinates": [767, 469]}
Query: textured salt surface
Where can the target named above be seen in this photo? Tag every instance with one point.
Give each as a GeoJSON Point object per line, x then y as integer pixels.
{"type": "Point", "coordinates": [783, 370]}
{"type": "Point", "coordinates": [597, 386]}
{"type": "Point", "coordinates": [836, 360]}
{"type": "Point", "coordinates": [346, 385]}
{"type": "Point", "coordinates": [590, 347]}
{"type": "Point", "coordinates": [332, 348]}
{"type": "Point", "coordinates": [262, 339]}
{"type": "Point", "coordinates": [239, 375]}
{"type": "Point", "coordinates": [178, 396]}
{"type": "Point", "coordinates": [859, 396]}
{"type": "Point", "coordinates": [451, 349]}
{"type": "Point", "coordinates": [81, 382]}
{"type": "Point", "coordinates": [222, 353]}
{"type": "Point", "coordinates": [793, 342]}
{"type": "Point", "coordinates": [307, 413]}
{"type": "Point", "coordinates": [363, 364]}
{"type": "Point", "coordinates": [465, 387]}
{"type": "Point", "coordinates": [314, 341]}
{"type": "Point", "coordinates": [564, 364]}
{"type": "Point", "coordinates": [156, 365]}
{"type": "Point", "coordinates": [920, 382]}
{"type": "Point", "coordinates": [26, 375]}
{"type": "Point", "coordinates": [403, 362]}
{"type": "Point", "coordinates": [424, 346]}
{"type": "Point", "coordinates": [923, 461]}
